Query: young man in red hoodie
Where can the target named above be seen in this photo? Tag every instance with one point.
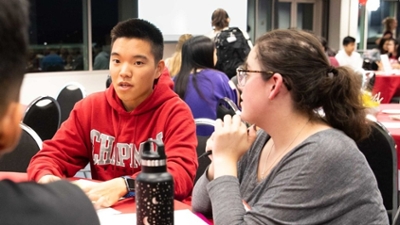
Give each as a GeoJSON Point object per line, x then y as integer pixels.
{"type": "Point", "coordinates": [108, 129]}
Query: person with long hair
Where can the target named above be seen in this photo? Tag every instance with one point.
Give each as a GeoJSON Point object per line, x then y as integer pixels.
{"type": "Point", "coordinates": [174, 62]}
{"type": "Point", "coordinates": [330, 53]}
{"type": "Point", "coordinates": [199, 84]}
{"type": "Point", "coordinates": [390, 25]}
{"type": "Point", "coordinates": [300, 167]}
{"type": "Point", "coordinates": [220, 21]}
{"type": "Point", "coordinates": [389, 29]}
{"type": "Point", "coordinates": [393, 50]}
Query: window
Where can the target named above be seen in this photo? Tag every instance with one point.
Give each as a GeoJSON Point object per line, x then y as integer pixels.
{"type": "Point", "coordinates": [370, 22]}
{"type": "Point", "coordinates": [300, 14]}
{"type": "Point", "coordinates": [68, 35]}
{"type": "Point", "coordinates": [55, 35]}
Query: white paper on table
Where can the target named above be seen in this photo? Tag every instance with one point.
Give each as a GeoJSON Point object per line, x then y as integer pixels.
{"type": "Point", "coordinates": [104, 212]}
{"type": "Point", "coordinates": [391, 124]}
{"type": "Point", "coordinates": [386, 63]}
{"type": "Point", "coordinates": [181, 217]}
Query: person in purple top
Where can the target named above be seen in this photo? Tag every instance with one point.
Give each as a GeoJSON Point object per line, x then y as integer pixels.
{"type": "Point", "coordinates": [199, 84]}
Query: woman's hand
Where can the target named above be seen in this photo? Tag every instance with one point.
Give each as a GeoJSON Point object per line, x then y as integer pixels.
{"type": "Point", "coordinates": [230, 140]}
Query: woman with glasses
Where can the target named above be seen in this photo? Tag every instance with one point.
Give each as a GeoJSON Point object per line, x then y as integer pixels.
{"type": "Point", "coordinates": [392, 45]}
{"type": "Point", "coordinates": [198, 84]}
{"type": "Point", "coordinates": [299, 167]}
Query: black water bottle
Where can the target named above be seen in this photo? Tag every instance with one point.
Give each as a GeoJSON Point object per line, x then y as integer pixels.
{"type": "Point", "coordinates": [154, 187]}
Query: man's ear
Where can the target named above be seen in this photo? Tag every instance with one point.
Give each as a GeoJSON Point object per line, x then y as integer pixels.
{"type": "Point", "coordinates": [160, 69]}
{"type": "Point", "coordinates": [10, 130]}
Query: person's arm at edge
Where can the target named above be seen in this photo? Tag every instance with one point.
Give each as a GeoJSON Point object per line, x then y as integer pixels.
{"type": "Point", "coordinates": [62, 155]}
{"type": "Point", "coordinates": [55, 203]}
{"type": "Point", "coordinates": [200, 199]}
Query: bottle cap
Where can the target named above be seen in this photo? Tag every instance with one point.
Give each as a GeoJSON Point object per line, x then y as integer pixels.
{"type": "Point", "coordinates": [153, 157]}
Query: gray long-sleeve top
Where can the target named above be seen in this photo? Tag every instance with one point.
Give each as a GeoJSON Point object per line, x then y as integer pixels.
{"type": "Point", "coordinates": [323, 180]}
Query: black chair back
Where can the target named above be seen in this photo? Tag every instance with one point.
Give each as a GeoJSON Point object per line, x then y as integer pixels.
{"type": "Point", "coordinates": [226, 107]}
{"type": "Point", "coordinates": [43, 115]}
{"type": "Point", "coordinates": [18, 160]}
{"type": "Point", "coordinates": [201, 146]}
{"type": "Point", "coordinates": [396, 220]}
{"type": "Point", "coordinates": [68, 96]}
{"type": "Point", "coordinates": [380, 151]}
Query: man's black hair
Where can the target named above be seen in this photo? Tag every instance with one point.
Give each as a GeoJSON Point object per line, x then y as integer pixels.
{"type": "Point", "coordinates": [140, 29]}
{"type": "Point", "coordinates": [347, 40]}
{"type": "Point", "coordinates": [14, 21]}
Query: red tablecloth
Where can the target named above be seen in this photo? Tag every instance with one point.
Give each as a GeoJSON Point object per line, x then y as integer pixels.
{"type": "Point", "coordinates": [394, 131]}
{"type": "Point", "coordinates": [388, 85]}
{"type": "Point", "coordinates": [14, 176]}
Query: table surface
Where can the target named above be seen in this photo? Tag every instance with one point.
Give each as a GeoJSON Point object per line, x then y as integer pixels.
{"type": "Point", "coordinates": [124, 206]}
{"type": "Point", "coordinates": [393, 126]}
{"type": "Point", "coordinates": [387, 84]}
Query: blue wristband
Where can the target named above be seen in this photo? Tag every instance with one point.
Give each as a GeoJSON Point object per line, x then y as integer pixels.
{"type": "Point", "coordinates": [129, 194]}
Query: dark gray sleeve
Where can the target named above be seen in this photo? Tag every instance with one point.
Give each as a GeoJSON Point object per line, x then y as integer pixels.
{"type": "Point", "coordinates": [200, 200]}
{"type": "Point", "coordinates": [226, 190]}
{"type": "Point", "coordinates": [60, 203]}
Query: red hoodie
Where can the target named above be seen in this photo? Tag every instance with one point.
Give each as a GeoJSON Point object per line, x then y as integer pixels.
{"type": "Point", "coordinates": [100, 131]}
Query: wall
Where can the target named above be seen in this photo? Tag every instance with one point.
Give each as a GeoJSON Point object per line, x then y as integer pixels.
{"type": "Point", "coordinates": [37, 84]}
{"type": "Point", "coordinates": [176, 17]}
{"type": "Point", "coordinates": [342, 22]}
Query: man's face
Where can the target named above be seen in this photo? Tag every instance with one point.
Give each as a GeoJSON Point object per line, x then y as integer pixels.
{"type": "Point", "coordinates": [133, 70]}
{"type": "Point", "coordinates": [350, 47]}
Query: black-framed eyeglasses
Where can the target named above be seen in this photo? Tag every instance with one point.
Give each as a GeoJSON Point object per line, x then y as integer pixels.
{"type": "Point", "coordinates": [242, 75]}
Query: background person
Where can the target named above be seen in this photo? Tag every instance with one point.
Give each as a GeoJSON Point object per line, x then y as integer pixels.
{"type": "Point", "coordinates": [199, 84]}
{"type": "Point", "coordinates": [393, 48]}
{"type": "Point", "coordinates": [329, 52]}
{"type": "Point", "coordinates": [347, 56]}
{"type": "Point", "coordinates": [389, 28]}
{"type": "Point", "coordinates": [232, 44]}
{"type": "Point", "coordinates": [174, 62]}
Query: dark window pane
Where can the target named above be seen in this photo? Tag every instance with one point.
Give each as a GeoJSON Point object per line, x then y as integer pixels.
{"type": "Point", "coordinates": [105, 15]}
{"type": "Point", "coordinates": [56, 35]}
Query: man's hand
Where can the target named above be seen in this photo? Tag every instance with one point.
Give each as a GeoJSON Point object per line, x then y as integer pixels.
{"type": "Point", "coordinates": [48, 179]}
{"type": "Point", "coordinates": [107, 193]}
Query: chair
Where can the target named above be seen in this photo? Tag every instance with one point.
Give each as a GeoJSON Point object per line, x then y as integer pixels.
{"type": "Point", "coordinates": [396, 220]}
{"type": "Point", "coordinates": [18, 160]}
{"type": "Point", "coordinates": [43, 115]}
{"type": "Point", "coordinates": [201, 146]}
{"type": "Point", "coordinates": [226, 106]}
{"type": "Point", "coordinates": [84, 173]}
{"type": "Point", "coordinates": [70, 94]}
{"type": "Point", "coordinates": [380, 151]}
